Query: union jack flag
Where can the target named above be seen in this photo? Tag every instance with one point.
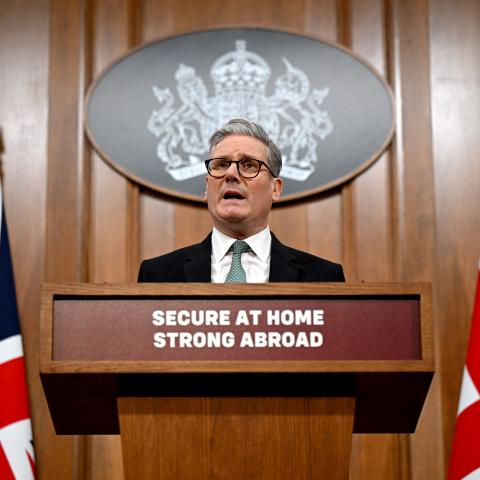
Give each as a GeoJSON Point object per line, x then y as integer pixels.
{"type": "Point", "coordinates": [465, 456]}
{"type": "Point", "coordinates": [16, 445]}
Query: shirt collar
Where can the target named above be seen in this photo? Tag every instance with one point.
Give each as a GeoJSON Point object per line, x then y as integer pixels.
{"type": "Point", "coordinates": [260, 243]}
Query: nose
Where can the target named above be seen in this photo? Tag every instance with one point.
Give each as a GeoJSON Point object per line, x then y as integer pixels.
{"type": "Point", "coordinates": [232, 171]}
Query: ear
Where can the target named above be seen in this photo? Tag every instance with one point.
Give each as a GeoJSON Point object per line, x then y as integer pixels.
{"type": "Point", "coordinates": [277, 188]}
{"type": "Point", "coordinates": [206, 188]}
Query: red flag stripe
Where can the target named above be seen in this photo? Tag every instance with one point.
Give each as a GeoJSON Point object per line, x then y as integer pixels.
{"type": "Point", "coordinates": [14, 406]}
{"type": "Point", "coordinates": [465, 452]}
{"type": "Point", "coordinates": [473, 355]}
{"type": "Point", "coordinates": [5, 470]}
{"type": "Point", "coordinates": [465, 456]}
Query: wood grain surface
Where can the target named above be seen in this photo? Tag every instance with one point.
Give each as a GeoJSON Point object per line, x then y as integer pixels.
{"type": "Point", "coordinates": [236, 438]}
{"type": "Point", "coordinates": [413, 216]}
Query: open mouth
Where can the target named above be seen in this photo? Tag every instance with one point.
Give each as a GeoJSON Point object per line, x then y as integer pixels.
{"type": "Point", "coordinates": [230, 195]}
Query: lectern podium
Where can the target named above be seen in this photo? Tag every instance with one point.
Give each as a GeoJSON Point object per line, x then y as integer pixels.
{"type": "Point", "coordinates": [208, 381]}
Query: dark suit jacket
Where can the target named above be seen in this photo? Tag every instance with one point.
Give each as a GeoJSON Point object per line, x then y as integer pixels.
{"type": "Point", "coordinates": [193, 264]}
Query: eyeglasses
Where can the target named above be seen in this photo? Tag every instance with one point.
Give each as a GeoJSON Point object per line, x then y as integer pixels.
{"type": "Point", "coordinates": [247, 167]}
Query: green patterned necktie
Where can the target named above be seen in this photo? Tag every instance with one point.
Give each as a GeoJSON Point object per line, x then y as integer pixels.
{"type": "Point", "coordinates": [237, 273]}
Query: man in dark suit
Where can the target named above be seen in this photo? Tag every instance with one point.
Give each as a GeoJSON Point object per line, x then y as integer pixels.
{"type": "Point", "coordinates": [241, 185]}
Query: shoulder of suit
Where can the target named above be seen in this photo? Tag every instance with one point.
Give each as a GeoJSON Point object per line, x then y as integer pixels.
{"type": "Point", "coordinates": [299, 255]}
{"type": "Point", "coordinates": [176, 255]}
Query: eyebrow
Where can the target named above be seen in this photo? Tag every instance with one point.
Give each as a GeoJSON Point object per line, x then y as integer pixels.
{"type": "Point", "coordinates": [245, 156]}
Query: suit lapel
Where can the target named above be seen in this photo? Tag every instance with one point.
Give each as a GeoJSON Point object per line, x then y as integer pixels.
{"type": "Point", "coordinates": [197, 265]}
{"type": "Point", "coordinates": [283, 266]}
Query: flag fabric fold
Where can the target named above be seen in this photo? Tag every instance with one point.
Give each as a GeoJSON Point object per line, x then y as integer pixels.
{"type": "Point", "coordinates": [465, 456]}
{"type": "Point", "coordinates": [16, 443]}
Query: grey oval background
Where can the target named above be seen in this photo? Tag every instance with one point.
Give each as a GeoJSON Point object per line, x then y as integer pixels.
{"type": "Point", "coordinates": [121, 101]}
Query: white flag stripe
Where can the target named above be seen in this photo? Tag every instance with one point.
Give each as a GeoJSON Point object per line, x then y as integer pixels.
{"type": "Point", "coordinates": [468, 393]}
{"type": "Point", "coordinates": [11, 348]}
{"type": "Point", "coordinates": [16, 441]}
{"type": "Point", "coordinates": [475, 475]}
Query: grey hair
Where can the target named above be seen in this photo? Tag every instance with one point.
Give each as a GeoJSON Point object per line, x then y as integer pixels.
{"type": "Point", "coordinates": [240, 126]}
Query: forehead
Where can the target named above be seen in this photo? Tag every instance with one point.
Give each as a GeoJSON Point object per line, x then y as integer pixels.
{"type": "Point", "coordinates": [236, 146]}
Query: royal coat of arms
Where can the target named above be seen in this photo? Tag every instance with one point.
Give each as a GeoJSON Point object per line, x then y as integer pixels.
{"type": "Point", "coordinates": [292, 115]}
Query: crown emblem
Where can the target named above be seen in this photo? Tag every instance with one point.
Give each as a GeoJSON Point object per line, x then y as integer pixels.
{"type": "Point", "coordinates": [240, 70]}
{"type": "Point", "coordinates": [292, 115]}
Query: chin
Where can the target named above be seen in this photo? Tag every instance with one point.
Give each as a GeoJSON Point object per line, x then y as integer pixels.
{"type": "Point", "coordinates": [233, 214]}
{"type": "Point", "coordinates": [233, 219]}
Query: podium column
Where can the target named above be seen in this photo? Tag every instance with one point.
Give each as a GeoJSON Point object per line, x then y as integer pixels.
{"type": "Point", "coordinates": [207, 438]}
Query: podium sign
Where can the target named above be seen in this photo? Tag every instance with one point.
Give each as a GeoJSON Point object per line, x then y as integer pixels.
{"type": "Point", "coordinates": [198, 329]}
{"type": "Point", "coordinates": [207, 366]}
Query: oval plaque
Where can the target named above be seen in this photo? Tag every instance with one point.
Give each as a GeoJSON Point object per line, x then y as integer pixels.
{"type": "Point", "coordinates": [151, 113]}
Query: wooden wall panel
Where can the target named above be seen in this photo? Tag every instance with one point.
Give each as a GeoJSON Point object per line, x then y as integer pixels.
{"type": "Point", "coordinates": [23, 173]}
{"type": "Point", "coordinates": [157, 213]}
{"type": "Point", "coordinates": [112, 27]}
{"type": "Point", "coordinates": [295, 231]}
{"type": "Point", "coordinates": [157, 225]}
{"type": "Point", "coordinates": [412, 200]}
{"type": "Point", "coordinates": [65, 235]}
{"type": "Point", "coordinates": [369, 197]}
{"type": "Point", "coordinates": [324, 212]}
{"type": "Point", "coordinates": [65, 248]}
{"type": "Point", "coordinates": [110, 197]}
{"type": "Point", "coordinates": [371, 190]}
{"type": "Point", "coordinates": [455, 78]}
{"type": "Point", "coordinates": [412, 216]}
{"type": "Point", "coordinates": [415, 197]}
{"type": "Point", "coordinates": [192, 224]}
{"type": "Point", "coordinates": [324, 233]}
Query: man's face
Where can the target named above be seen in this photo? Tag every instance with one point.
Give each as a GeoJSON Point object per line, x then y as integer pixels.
{"type": "Point", "coordinates": [240, 206]}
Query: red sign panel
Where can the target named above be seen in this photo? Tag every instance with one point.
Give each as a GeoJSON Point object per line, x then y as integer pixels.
{"type": "Point", "coordinates": [236, 329]}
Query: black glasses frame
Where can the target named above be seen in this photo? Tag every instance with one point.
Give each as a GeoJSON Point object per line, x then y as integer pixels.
{"type": "Point", "coordinates": [237, 162]}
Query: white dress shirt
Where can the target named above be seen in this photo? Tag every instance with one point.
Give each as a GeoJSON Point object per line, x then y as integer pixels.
{"type": "Point", "coordinates": [255, 262]}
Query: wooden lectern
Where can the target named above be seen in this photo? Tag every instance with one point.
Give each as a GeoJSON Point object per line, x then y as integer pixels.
{"type": "Point", "coordinates": [209, 381]}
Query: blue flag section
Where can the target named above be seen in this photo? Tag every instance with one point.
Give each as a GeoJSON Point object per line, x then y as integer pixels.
{"type": "Point", "coordinates": [16, 447]}
{"type": "Point", "coordinates": [8, 304]}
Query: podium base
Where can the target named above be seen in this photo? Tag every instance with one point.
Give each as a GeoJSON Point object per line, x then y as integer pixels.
{"type": "Point", "coordinates": [207, 438]}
